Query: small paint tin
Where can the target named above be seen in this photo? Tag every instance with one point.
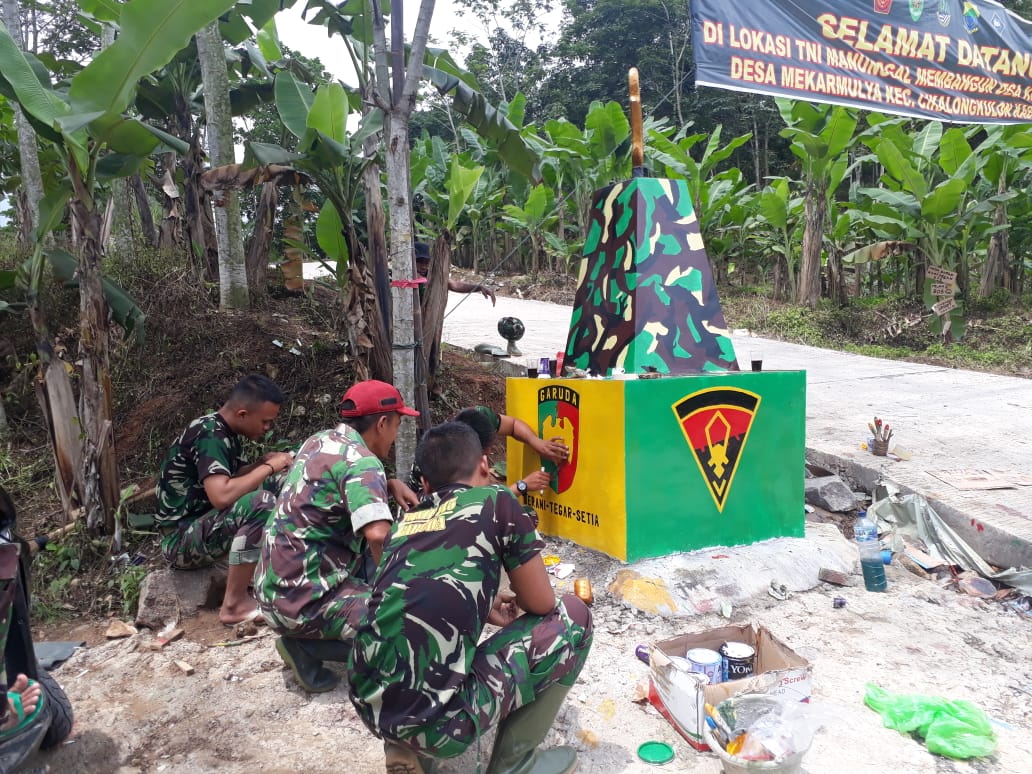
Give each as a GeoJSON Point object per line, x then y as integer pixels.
{"type": "Point", "coordinates": [642, 652]}
{"type": "Point", "coordinates": [739, 660]}
{"type": "Point", "coordinates": [838, 603]}
{"type": "Point", "coordinates": [582, 588]}
{"type": "Point", "coordinates": [706, 662]}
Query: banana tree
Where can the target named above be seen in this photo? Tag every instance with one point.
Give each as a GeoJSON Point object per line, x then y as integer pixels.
{"type": "Point", "coordinates": [674, 159]}
{"type": "Point", "coordinates": [86, 125]}
{"type": "Point", "coordinates": [927, 178]}
{"type": "Point", "coordinates": [1007, 151]}
{"type": "Point", "coordinates": [335, 162]}
{"type": "Point", "coordinates": [781, 213]}
{"type": "Point", "coordinates": [535, 219]}
{"type": "Point", "coordinates": [820, 136]}
{"type": "Point", "coordinates": [449, 197]}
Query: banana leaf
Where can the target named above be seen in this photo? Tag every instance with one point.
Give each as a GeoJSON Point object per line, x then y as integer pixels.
{"type": "Point", "coordinates": [489, 122]}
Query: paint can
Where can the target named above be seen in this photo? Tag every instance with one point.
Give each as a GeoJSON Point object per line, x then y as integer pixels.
{"type": "Point", "coordinates": [706, 662]}
{"type": "Point", "coordinates": [739, 660]}
{"type": "Point", "coordinates": [582, 588]}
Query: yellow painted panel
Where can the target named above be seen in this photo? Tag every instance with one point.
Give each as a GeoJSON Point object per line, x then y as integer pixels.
{"type": "Point", "coordinates": [586, 502]}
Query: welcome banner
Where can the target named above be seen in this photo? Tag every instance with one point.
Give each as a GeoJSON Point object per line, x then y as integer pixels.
{"type": "Point", "coordinates": [967, 62]}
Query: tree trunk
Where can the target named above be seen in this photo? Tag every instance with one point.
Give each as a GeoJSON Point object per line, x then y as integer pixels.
{"type": "Point", "coordinates": [98, 466]}
{"type": "Point", "coordinates": [998, 258]}
{"type": "Point", "coordinates": [756, 153]}
{"type": "Point", "coordinates": [401, 88]}
{"type": "Point", "coordinates": [261, 236]}
{"type": "Point", "coordinates": [143, 207]}
{"type": "Point", "coordinates": [781, 280]}
{"type": "Point", "coordinates": [233, 287]}
{"type": "Point", "coordinates": [32, 180]}
{"type": "Point", "coordinates": [170, 234]}
{"type": "Point", "coordinates": [809, 289]}
{"type": "Point", "coordinates": [199, 224]}
{"type": "Point", "coordinates": [402, 267]}
{"type": "Point", "coordinates": [379, 315]}
{"type": "Point", "coordinates": [433, 305]}
{"type": "Point", "coordinates": [836, 277]}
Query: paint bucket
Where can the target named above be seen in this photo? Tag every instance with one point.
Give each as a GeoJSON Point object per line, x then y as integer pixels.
{"type": "Point", "coordinates": [706, 662]}
{"type": "Point", "coordinates": [683, 678]}
{"type": "Point", "coordinates": [739, 660]}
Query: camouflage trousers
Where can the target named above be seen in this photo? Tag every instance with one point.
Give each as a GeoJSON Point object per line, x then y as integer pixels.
{"type": "Point", "coordinates": [236, 531]}
{"type": "Point", "coordinates": [509, 670]}
{"type": "Point", "coordinates": [334, 616]}
{"type": "Point", "coordinates": [8, 587]}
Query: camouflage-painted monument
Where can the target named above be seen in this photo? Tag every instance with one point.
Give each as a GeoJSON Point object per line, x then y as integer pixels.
{"type": "Point", "coordinates": [646, 295]}
{"type": "Point", "coordinates": [672, 448]}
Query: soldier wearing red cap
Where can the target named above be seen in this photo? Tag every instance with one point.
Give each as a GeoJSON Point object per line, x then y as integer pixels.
{"type": "Point", "coordinates": [332, 510]}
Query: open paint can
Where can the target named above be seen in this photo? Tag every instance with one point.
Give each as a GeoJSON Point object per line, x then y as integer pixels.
{"type": "Point", "coordinates": [739, 660]}
{"type": "Point", "coordinates": [706, 662]}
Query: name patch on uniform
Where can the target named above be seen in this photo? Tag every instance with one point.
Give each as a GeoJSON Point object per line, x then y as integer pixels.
{"type": "Point", "coordinates": [426, 520]}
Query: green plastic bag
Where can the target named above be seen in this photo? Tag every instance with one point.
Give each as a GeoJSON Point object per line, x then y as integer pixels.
{"type": "Point", "coordinates": [956, 729]}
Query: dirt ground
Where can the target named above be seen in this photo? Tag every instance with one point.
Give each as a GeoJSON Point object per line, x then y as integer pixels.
{"type": "Point", "coordinates": [241, 711]}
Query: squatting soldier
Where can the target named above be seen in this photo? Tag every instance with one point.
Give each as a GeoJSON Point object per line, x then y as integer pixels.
{"type": "Point", "coordinates": [211, 503]}
{"type": "Point", "coordinates": [418, 677]}
{"type": "Point", "coordinates": [310, 581]}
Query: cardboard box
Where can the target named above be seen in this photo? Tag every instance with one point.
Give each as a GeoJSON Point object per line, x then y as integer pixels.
{"type": "Point", "coordinates": [680, 695]}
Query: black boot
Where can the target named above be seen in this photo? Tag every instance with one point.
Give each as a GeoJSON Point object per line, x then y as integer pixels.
{"type": "Point", "coordinates": [308, 669]}
{"type": "Point", "coordinates": [327, 650]}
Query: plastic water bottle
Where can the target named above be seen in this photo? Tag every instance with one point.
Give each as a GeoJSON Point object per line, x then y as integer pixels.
{"type": "Point", "coordinates": [866, 535]}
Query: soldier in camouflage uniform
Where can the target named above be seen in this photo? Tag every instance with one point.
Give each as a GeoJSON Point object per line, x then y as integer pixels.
{"type": "Point", "coordinates": [489, 426]}
{"type": "Point", "coordinates": [419, 678]}
{"type": "Point", "coordinates": [332, 510]}
{"type": "Point", "coordinates": [211, 502]}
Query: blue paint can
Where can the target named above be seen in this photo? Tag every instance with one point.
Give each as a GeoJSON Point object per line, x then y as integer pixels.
{"type": "Point", "coordinates": [707, 662]}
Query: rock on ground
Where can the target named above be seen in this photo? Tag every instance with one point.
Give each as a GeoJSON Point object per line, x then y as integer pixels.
{"type": "Point", "coordinates": [830, 493]}
{"type": "Point", "coordinates": [168, 595]}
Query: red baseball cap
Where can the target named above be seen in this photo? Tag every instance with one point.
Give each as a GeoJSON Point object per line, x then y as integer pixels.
{"type": "Point", "coordinates": [373, 397]}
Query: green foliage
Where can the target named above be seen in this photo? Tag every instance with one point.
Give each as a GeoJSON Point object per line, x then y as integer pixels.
{"type": "Point", "coordinates": [997, 301]}
{"type": "Point", "coordinates": [129, 581]}
{"type": "Point", "coordinates": [54, 572]}
{"type": "Point", "coordinates": [880, 350]}
{"type": "Point", "coordinates": [796, 324]}
{"type": "Point", "coordinates": [22, 476]}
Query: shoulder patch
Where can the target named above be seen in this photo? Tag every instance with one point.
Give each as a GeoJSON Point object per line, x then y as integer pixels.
{"type": "Point", "coordinates": [427, 520]}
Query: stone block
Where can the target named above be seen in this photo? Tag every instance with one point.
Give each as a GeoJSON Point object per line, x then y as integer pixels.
{"type": "Point", "coordinates": [166, 596]}
{"type": "Point", "coordinates": [830, 493]}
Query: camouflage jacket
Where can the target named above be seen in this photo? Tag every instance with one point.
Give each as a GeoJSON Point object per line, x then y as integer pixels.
{"type": "Point", "coordinates": [335, 487]}
{"type": "Point", "coordinates": [207, 447]}
{"type": "Point", "coordinates": [439, 575]}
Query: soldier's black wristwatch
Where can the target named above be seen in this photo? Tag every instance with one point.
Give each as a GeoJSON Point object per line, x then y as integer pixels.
{"type": "Point", "coordinates": [521, 487]}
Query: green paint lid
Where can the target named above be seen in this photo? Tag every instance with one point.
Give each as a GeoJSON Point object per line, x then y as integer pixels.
{"type": "Point", "coordinates": [656, 753]}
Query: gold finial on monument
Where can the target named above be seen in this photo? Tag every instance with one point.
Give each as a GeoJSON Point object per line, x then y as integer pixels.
{"type": "Point", "coordinates": [637, 144]}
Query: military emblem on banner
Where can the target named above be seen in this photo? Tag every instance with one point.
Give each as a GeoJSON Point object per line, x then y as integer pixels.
{"type": "Point", "coordinates": [943, 14]}
{"type": "Point", "coordinates": [559, 417]}
{"type": "Point", "coordinates": [716, 423]}
{"type": "Point", "coordinates": [916, 9]}
{"type": "Point", "coordinates": [882, 6]}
